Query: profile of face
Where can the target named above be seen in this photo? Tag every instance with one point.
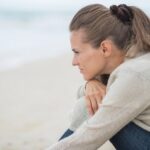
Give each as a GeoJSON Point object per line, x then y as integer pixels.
{"type": "Point", "coordinates": [92, 61]}
{"type": "Point", "coordinates": [88, 59]}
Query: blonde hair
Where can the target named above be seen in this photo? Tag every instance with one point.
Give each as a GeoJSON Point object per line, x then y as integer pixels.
{"type": "Point", "coordinates": [127, 26]}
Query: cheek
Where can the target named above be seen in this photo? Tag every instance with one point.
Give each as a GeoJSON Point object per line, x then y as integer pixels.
{"type": "Point", "coordinates": [90, 66]}
{"type": "Point", "coordinates": [97, 65]}
{"type": "Point", "coordinates": [84, 61]}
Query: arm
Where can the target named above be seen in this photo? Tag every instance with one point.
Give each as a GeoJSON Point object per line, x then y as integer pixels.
{"type": "Point", "coordinates": [89, 100]}
{"type": "Point", "coordinates": [94, 94]}
{"type": "Point", "coordinates": [123, 102]}
{"type": "Point", "coordinates": [94, 91]}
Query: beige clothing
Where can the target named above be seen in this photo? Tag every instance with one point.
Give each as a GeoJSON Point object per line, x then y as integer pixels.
{"type": "Point", "coordinates": [127, 99]}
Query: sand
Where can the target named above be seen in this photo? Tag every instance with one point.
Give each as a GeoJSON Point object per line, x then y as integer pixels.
{"type": "Point", "coordinates": [35, 101]}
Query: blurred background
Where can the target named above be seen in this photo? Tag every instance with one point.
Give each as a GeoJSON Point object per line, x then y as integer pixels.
{"type": "Point", "coordinates": [37, 82]}
{"type": "Point", "coordinates": [35, 29]}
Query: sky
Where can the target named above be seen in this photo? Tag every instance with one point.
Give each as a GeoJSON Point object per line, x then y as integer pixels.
{"type": "Point", "coordinates": [63, 4]}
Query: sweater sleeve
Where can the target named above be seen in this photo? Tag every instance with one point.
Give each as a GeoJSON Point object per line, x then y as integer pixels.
{"type": "Point", "coordinates": [78, 114]}
{"type": "Point", "coordinates": [126, 98]}
{"type": "Point", "coordinates": [81, 91]}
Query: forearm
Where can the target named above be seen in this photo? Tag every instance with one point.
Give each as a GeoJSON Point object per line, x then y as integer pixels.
{"type": "Point", "coordinates": [79, 114]}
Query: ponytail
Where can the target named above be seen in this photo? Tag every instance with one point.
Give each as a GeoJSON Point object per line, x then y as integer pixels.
{"type": "Point", "coordinates": [141, 33]}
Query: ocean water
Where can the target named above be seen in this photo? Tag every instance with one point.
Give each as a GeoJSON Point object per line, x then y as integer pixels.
{"type": "Point", "coordinates": [27, 34]}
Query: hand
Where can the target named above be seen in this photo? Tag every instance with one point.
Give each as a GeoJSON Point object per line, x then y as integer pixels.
{"type": "Point", "coordinates": [94, 93]}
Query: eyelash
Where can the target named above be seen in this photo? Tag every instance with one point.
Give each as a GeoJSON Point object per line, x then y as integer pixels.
{"type": "Point", "coordinates": [76, 52]}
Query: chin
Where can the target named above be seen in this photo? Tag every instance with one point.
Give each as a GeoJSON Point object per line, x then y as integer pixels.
{"type": "Point", "coordinates": [87, 78]}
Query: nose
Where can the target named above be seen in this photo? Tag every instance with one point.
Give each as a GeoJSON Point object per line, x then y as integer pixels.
{"type": "Point", "coordinates": [75, 61]}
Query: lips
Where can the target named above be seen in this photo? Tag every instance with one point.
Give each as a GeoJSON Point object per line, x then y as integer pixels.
{"type": "Point", "coordinates": [81, 70]}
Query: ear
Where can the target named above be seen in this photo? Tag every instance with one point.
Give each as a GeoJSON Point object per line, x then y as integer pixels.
{"type": "Point", "coordinates": [106, 48]}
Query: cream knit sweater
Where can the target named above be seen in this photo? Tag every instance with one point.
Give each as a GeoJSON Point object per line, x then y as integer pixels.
{"type": "Point", "coordinates": [127, 99]}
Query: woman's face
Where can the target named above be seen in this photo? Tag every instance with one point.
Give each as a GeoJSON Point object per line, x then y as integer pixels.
{"type": "Point", "coordinates": [89, 60]}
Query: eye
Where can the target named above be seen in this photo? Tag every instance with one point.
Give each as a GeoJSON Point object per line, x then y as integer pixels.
{"type": "Point", "coordinates": [75, 51]}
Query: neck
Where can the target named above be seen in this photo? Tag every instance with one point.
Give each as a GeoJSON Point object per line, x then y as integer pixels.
{"type": "Point", "coordinates": [114, 61]}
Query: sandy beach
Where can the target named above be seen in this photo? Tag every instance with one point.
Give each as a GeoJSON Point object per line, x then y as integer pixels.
{"type": "Point", "coordinates": [35, 101]}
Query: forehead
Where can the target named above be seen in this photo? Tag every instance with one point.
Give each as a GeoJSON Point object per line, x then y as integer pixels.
{"type": "Point", "coordinates": [79, 42]}
{"type": "Point", "coordinates": [78, 36]}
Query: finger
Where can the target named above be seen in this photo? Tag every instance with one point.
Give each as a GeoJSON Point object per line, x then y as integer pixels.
{"type": "Point", "coordinates": [94, 103]}
{"type": "Point", "coordinates": [98, 98]}
{"type": "Point", "coordinates": [102, 92]}
{"type": "Point", "coordinates": [89, 106]}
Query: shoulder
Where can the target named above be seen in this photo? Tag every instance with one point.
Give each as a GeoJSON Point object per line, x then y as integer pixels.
{"type": "Point", "coordinates": [138, 65]}
{"type": "Point", "coordinates": [138, 68]}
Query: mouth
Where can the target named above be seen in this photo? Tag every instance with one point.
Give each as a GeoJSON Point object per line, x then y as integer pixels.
{"type": "Point", "coordinates": [81, 70]}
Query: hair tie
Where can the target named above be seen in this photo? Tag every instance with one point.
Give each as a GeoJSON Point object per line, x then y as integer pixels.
{"type": "Point", "coordinates": [123, 13]}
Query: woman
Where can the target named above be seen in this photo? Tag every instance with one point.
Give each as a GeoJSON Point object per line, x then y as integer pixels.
{"type": "Point", "coordinates": [113, 41]}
